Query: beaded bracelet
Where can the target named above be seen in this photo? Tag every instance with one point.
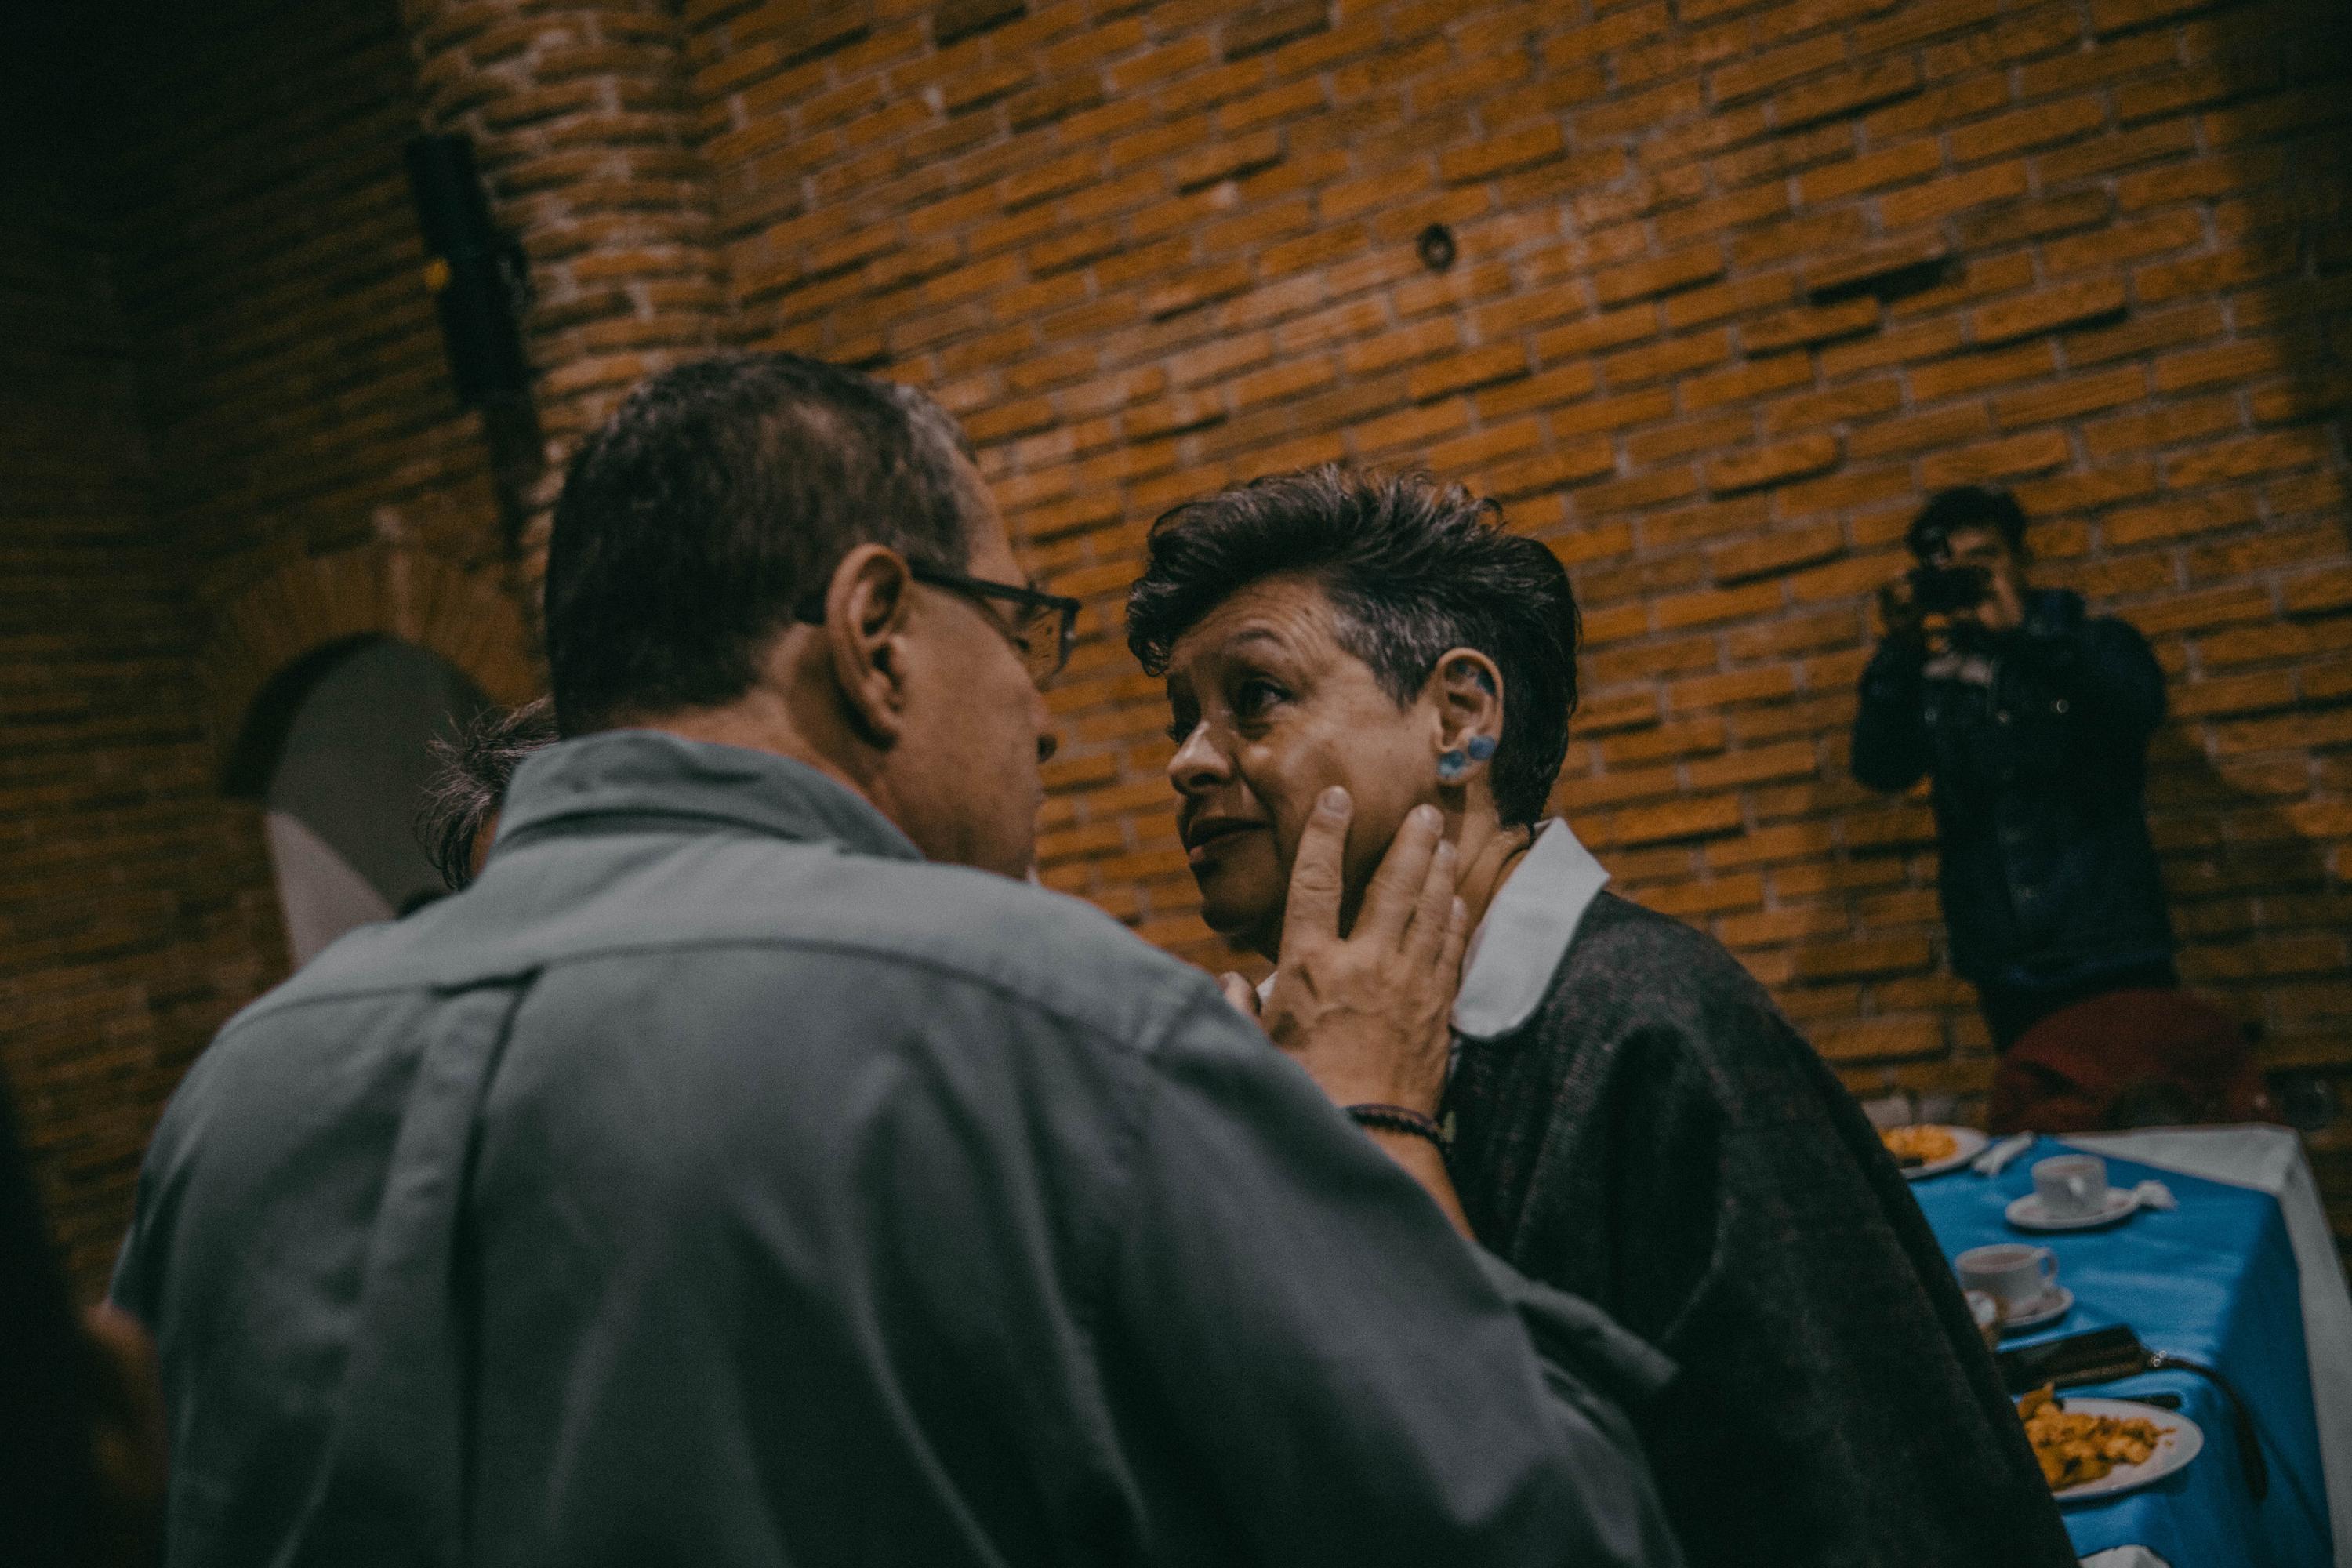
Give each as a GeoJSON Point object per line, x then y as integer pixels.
{"type": "Point", "coordinates": [1397, 1119]}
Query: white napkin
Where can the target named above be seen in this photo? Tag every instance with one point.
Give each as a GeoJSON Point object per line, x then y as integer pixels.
{"type": "Point", "coordinates": [1993, 1160]}
{"type": "Point", "coordinates": [2154, 1194]}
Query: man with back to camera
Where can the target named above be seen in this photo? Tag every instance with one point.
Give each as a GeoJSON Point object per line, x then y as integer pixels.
{"type": "Point", "coordinates": [2033, 718]}
{"type": "Point", "coordinates": [738, 1173]}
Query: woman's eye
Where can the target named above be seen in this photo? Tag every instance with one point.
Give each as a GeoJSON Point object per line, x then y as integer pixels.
{"type": "Point", "coordinates": [1180, 729]}
{"type": "Point", "coordinates": [1253, 698]}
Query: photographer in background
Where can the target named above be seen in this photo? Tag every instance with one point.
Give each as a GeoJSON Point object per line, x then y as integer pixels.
{"type": "Point", "coordinates": [2034, 719]}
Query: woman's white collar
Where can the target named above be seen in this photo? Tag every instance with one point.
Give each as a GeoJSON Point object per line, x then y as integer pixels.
{"type": "Point", "coordinates": [1517, 947]}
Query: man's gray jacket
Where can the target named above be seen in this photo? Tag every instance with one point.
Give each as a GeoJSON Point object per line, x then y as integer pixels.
{"type": "Point", "coordinates": [717, 1183]}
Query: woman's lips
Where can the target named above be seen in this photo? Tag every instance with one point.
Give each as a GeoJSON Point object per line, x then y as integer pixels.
{"type": "Point", "coordinates": [1214, 839]}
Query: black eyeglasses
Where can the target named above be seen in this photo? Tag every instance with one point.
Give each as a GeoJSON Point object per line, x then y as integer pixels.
{"type": "Point", "coordinates": [1043, 626]}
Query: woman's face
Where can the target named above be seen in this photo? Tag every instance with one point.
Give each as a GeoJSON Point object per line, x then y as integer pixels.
{"type": "Point", "coordinates": [1268, 710]}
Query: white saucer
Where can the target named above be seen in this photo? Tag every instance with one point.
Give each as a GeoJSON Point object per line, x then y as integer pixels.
{"type": "Point", "coordinates": [2027, 1213]}
{"type": "Point", "coordinates": [2048, 1310]}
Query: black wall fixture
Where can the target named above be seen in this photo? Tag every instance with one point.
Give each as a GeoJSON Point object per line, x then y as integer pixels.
{"type": "Point", "coordinates": [481, 282]}
{"type": "Point", "coordinates": [1436, 248]}
{"type": "Point", "coordinates": [475, 271]}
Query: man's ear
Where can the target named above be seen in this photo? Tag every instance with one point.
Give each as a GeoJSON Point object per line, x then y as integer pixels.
{"type": "Point", "coordinates": [1466, 690]}
{"type": "Point", "coordinates": [867, 608]}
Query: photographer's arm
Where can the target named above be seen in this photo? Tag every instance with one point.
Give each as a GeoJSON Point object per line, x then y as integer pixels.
{"type": "Point", "coordinates": [1890, 731]}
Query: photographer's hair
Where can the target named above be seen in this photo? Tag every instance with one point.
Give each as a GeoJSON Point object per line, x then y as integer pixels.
{"type": "Point", "coordinates": [714, 506]}
{"type": "Point", "coordinates": [1413, 567]}
{"type": "Point", "coordinates": [469, 787]}
{"type": "Point", "coordinates": [1966, 506]}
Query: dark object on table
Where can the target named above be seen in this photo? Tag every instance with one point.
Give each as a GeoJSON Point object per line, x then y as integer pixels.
{"type": "Point", "coordinates": [2128, 1058]}
{"type": "Point", "coordinates": [1941, 590]}
{"type": "Point", "coordinates": [2306, 1101]}
{"type": "Point", "coordinates": [2102, 1355]}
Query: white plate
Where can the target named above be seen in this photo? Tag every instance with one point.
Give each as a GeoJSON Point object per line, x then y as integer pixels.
{"type": "Point", "coordinates": [2027, 1213]}
{"type": "Point", "coordinates": [2178, 1446]}
{"type": "Point", "coordinates": [1968, 1144]}
{"type": "Point", "coordinates": [2048, 1310]}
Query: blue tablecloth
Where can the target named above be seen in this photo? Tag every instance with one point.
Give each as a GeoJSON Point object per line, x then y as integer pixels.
{"type": "Point", "coordinates": [2214, 1280]}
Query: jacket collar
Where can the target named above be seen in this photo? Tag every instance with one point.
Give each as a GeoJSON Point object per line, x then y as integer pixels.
{"type": "Point", "coordinates": [1517, 947]}
{"type": "Point", "coordinates": [689, 784]}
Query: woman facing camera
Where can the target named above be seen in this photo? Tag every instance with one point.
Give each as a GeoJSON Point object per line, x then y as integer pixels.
{"type": "Point", "coordinates": [1631, 1119]}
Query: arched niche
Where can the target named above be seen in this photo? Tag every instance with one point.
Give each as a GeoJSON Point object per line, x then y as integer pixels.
{"type": "Point", "coordinates": [272, 644]}
{"type": "Point", "coordinates": [310, 608]}
{"type": "Point", "coordinates": [337, 750]}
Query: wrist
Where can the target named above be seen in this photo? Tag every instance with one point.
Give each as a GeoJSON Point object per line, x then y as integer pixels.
{"type": "Point", "coordinates": [1398, 1120]}
{"type": "Point", "coordinates": [1348, 1090]}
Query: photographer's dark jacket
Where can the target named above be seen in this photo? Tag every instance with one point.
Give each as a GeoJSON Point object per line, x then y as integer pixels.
{"type": "Point", "coordinates": [2037, 748]}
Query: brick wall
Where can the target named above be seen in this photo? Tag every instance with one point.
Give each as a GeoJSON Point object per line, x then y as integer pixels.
{"type": "Point", "coordinates": [291, 374]}
{"type": "Point", "coordinates": [131, 918]}
{"type": "Point", "coordinates": [1739, 281]}
{"type": "Point", "coordinates": [228, 439]}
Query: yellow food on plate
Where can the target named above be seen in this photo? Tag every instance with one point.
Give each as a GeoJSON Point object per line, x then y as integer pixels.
{"type": "Point", "coordinates": [1919, 1145]}
{"type": "Point", "coordinates": [2075, 1449]}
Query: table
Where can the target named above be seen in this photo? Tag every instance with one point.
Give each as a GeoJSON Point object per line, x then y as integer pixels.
{"type": "Point", "coordinates": [2215, 1280]}
{"type": "Point", "coordinates": [2271, 1159]}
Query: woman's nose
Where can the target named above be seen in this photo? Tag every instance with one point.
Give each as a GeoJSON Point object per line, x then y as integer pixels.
{"type": "Point", "coordinates": [1197, 764]}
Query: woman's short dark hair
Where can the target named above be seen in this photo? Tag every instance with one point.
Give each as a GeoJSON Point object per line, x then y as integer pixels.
{"type": "Point", "coordinates": [1966, 506]}
{"type": "Point", "coordinates": [715, 503]}
{"type": "Point", "coordinates": [1413, 567]}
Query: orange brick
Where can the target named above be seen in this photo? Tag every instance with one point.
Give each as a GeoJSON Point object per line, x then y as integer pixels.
{"type": "Point", "coordinates": [1761, 73]}
{"type": "Point", "coordinates": [1809, 324]}
{"type": "Point", "coordinates": [2002, 459]}
{"type": "Point", "coordinates": [1847, 92]}
{"type": "Point", "coordinates": [2048, 310]}
{"type": "Point", "coordinates": [1771, 465]}
{"type": "Point", "coordinates": [1898, 164]}
{"type": "Point", "coordinates": [1940, 199]}
{"type": "Point", "coordinates": [1660, 275]}
{"type": "Point", "coordinates": [1670, 820]}
{"type": "Point", "coordinates": [1461, 372]}
{"type": "Point", "coordinates": [2044, 123]}
{"type": "Point", "coordinates": [1501, 155]}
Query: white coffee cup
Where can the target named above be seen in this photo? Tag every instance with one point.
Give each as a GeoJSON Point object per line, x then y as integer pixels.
{"type": "Point", "coordinates": [2017, 1277]}
{"type": "Point", "coordinates": [2071, 1187]}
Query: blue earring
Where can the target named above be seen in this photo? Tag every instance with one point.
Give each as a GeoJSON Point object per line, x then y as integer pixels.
{"type": "Point", "coordinates": [1452, 765]}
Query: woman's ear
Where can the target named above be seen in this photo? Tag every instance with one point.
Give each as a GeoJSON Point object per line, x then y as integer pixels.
{"type": "Point", "coordinates": [867, 609]}
{"type": "Point", "coordinates": [1466, 689]}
